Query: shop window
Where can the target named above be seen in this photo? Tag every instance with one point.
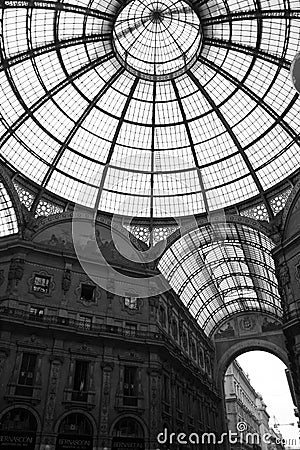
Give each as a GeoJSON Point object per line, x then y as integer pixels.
{"type": "Point", "coordinates": [131, 303]}
{"type": "Point", "coordinates": [87, 293]}
{"type": "Point", "coordinates": [18, 419]}
{"type": "Point", "coordinates": [130, 386]}
{"type": "Point", "coordinates": [128, 428]}
{"type": "Point", "coordinates": [18, 425]}
{"type": "Point", "coordinates": [75, 423]}
{"type": "Point", "coordinates": [26, 375]}
{"type": "Point", "coordinates": [75, 431]}
{"type": "Point", "coordinates": [80, 381]}
{"type": "Point", "coordinates": [41, 284]}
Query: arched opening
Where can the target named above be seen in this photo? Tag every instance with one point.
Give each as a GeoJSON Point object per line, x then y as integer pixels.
{"type": "Point", "coordinates": [128, 434]}
{"type": "Point", "coordinates": [259, 403]}
{"type": "Point", "coordinates": [18, 429]}
{"type": "Point", "coordinates": [75, 432]}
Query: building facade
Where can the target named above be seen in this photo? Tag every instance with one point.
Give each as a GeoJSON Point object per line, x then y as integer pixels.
{"type": "Point", "coordinates": [83, 368]}
{"type": "Point", "coordinates": [149, 216]}
{"type": "Point", "coordinates": [246, 413]}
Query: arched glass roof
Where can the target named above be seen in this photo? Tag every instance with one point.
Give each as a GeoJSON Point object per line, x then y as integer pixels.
{"type": "Point", "coordinates": [8, 218]}
{"type": "Point", "coordinates": [220, 270]}
{"type": "Point", "coordinates": [153, 109]}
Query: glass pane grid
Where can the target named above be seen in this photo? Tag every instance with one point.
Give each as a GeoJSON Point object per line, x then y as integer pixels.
{"type": "Point", "coordinates": [8, 219]}
{"type": "Point", "coordinates": [211, 93]}
{"type": "Point", "coordinates": [221, 269]}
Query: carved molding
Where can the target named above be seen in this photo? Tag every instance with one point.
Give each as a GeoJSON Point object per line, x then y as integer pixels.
{"type": "Point", "coordinates": [41, 273]}
{"type": "Point", "coordinates": [52, 392]}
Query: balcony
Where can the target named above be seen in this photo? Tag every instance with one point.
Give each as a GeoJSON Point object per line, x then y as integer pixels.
{"type": "Point", "coordinates": [23, 393]}
{"type": "Point", "coordinates": [84, 399]}
{"type": "Point", "coordinates": [133, 403]}
{"type": "Point", "coordinates": [49, 321]}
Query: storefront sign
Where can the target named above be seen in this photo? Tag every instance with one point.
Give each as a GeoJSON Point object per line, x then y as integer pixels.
{"type": "Point", "coordinates": [74, 442]}
{"type": "Point", "coordinates": [123, 443]}
{"type": "Point", "coordinates": [17, 440]}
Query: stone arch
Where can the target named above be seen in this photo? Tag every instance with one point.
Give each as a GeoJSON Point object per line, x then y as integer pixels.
{"type": "Point", "coordinates": [244, 346]}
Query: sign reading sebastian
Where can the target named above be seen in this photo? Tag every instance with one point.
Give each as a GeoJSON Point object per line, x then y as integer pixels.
{"type": "Point", "coordinates": [123, 443]}
{"type": "Point", "coordinates": [17, 440]}
{"type": "Point", "coordinates": [74, 442]}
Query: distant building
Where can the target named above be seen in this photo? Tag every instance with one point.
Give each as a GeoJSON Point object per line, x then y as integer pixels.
{"type": "Point", "coordinates": [246, 412]}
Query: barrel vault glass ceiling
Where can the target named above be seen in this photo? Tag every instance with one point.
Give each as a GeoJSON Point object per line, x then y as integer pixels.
{"type": "Point", "coordinates": [150, 108]}
{"type": "Point", "coordinates": [221, 270]}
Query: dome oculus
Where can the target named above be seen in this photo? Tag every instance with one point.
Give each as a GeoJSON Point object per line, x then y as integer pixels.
{"type": "Point", "coordinates": [157, 40]}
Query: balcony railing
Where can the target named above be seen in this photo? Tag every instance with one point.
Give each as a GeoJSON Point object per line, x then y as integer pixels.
{"type": "Point", "coordinates": [84, 399]}
{"type": "Point", "coordinates": [67, 322]}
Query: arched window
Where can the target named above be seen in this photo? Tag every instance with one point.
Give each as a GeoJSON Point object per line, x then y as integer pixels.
{"type": "Point", "coordinates": [75, 431]}
{"type": "Point", "coordinates": [128, 427]}
{"type": "Point", "coordinates": [75, 424]}
{"type": "Point", "coordinates": [18, 425]}
{"type": "Point", "coordinates": [19, 419]}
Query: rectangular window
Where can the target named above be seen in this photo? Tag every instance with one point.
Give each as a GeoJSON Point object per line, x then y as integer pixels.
{"type": "Point", "coordinates": [85, 322]}
{"type": "Point", "coordinates": [179, 397]}
{"type": "Point", "coordinates": [87, 293]}
{"type": "Point", "coordinates": [130, 329]}
{"type": "Point", "coordinates": [166, 389]}
{"type": "Point", "coordinates": [131, 303]}
{"type": "Point", "coordinates": [36, 312]}
{"type": "Point", "coordinates": [26, 375]}
{"type": "Point", "coordinates": [80, 381]}
{"type": "Point", "coordinates": [61, 320]}
{"type": "Point", "coordinates": [41, 284]}
{"type": "Point", "coordinates": [130, 386]}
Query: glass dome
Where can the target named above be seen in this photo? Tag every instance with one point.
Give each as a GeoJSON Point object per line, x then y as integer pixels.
{"type": "Point", "coordinates": [151, 109]}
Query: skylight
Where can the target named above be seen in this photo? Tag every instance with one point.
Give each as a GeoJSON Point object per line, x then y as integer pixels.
{"type": "Point", "coordinates": [150, 109]}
